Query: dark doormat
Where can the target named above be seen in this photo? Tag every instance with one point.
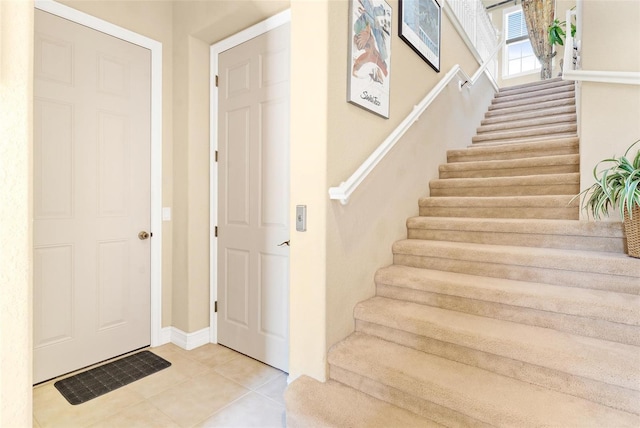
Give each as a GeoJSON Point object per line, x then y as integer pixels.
{"type": "Point", "coordinates": [98, 381]}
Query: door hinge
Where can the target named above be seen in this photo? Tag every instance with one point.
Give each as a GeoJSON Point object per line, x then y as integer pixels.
{"type": "Point", "coordinates": [216, 156]}
{"type": "Point", "coordinates": [215, 232]}
{"type": "Point", "coordinates": [216, 80]}
{"type": "Point", "coordinates": [215, 306]}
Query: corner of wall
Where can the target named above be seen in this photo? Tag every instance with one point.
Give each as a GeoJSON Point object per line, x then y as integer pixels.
{"type": "Point", "coordinates": [308, 157]}
{"type": "Point", "coordinates": [16, 212]}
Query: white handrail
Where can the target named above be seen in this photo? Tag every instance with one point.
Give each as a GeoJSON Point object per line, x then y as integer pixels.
{"type": "Point", "coordinates": [346, 188]}
{"type": "Point", "coordinates": [569, 73]}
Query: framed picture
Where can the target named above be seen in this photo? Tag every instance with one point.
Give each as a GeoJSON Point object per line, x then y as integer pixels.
{"type": "Point", "coordinates": [420, 22]}
{"type": "Point", "coordinates": [369, 55]}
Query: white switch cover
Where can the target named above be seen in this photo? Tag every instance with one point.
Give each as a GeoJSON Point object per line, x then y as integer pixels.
{"type": "Point", "coordinates": [166, 213]}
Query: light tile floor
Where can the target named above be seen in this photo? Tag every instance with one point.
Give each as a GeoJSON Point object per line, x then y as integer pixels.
{"type": "Point", "coordinates": [211, 386]}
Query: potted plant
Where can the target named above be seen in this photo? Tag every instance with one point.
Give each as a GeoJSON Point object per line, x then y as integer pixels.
{"type": "Point", "coordinates": [618, 186]}
{"type": "Point", "coordinates": [557, 35]}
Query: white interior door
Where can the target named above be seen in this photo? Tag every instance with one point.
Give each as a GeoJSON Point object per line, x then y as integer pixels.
{"type": "Point", "coordinates": [91, 196]}
{"type": "Point", "coordinates": [253, 198]}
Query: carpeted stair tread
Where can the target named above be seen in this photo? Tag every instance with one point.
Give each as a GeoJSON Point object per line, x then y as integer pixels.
{"type": "Point", "coordinates": [402, 374]}
{"type": "Point", "coordinates": [538, 106]}
{"type": "Point", "coordinates": [532, 100]}
{"type": "Point", "coordinates": [528, 123]}
{"type": "Point", "coordinates": [530, 139]}
{"type": "Point", "coordinates": [540, 207]}
{"type": "Point", "coordinates": [607, 362]}
{"type": "Point", "coordinates": [587, 303]}
{"type": "Point", "coordinates": [548, 184]}
{"type": "Point", "coordinates": [522, 133]}
{"type": "Point", "coordinates": [556, 164]}
{"type": "Point", "coordinates": [540, 356]}
{"type": "Point", "coordinates": [550, 258]}
{"type": "Point", "coordinates": [549, 147]}
{"type": "Point", "coordinates": [528, 115]}
{"type": "Point", "coordinates": [454, 291]}
{"type": "Point", "coordinates": [571, 268]}
{"type": "Point", "coordinates": [507, 97]}
{"type": "Point", "coordinates": [534, 86]}
{"type": "Point", "coordinates": [564, 234]}
{"type": "Point", "coordinates": [331, 404]}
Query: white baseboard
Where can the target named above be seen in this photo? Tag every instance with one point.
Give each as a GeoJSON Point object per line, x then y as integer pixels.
{"type": "Point", "coordinates": [184, 340]}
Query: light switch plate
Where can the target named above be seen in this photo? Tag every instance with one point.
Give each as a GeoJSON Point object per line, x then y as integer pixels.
{"type": "Point", "coordinates": [301, 218]}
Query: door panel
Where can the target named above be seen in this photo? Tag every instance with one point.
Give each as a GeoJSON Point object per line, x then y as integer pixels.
{"type": "Point", "coordinates": [91, 196]}
{"type": "Point", "coordinates": [253, 198]}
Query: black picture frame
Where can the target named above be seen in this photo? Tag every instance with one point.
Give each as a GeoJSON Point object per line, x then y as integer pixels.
{"type": "Point", "coordinates": [420, 21]}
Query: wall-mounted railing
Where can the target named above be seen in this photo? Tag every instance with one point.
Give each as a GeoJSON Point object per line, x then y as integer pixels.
{"type": "Point", "coordinates": [471, 20]}
{"type": "Point", "coordinates": [572, 63]}
{"type": "Point", "coordinates": [346, 188]}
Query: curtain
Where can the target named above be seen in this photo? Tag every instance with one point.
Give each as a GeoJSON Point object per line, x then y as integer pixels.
{"type": "Point", "coordinates": [538, 14]}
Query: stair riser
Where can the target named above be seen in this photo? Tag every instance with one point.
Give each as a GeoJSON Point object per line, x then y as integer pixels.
{"type": "Point", "coordinates": [531, 273]}
{"type": "Point", "coordinates": [404, 399]}
{"type": "Point", "coordinates": [534, 86]}
{"type": "Point", "coordinates": [525, 133]}
{"type": "Point", "coordinates": [569, 213]}
{"type": "Point", "coordinates": [514, 124]}
{"type": "Point", "coordinates": [537, 107]}
{"type": "Point", "coordinates": [502, 152]}
{"type": "Point", "coordinates": [522, 190]}
{"type": "Point", "coordinates": [529, 101]}
{"type": "Point", "coordinates": [482, 155]}
{"type": "Point", "coordinates": [523, 140]}
{"type": "Point", "coordinates": [504, 97]}
{"type": "Point", "coordinates": [529, 87]}
{"type": "Point", "coordinates": [581, 243]}
{"type": "Point", "coordinates": [507, 171]}
{"type": "Point", "coordinates": [570, 323]}
{"type": "Point", "coordinates": [535, 114]}
{"type": "Point", "coordinates": [597, 391]}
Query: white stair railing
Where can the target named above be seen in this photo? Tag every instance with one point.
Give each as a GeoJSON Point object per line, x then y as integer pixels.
{"type": "Point", "coordinates": [473, 19]}
{"type": "Point", "coordinates": [472, 22]}
{"type": "Point", "coordinates": [346, 188]}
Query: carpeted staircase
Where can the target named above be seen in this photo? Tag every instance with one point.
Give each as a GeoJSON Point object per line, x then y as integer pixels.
{"type": "Point", "coordinates": [501, 308]}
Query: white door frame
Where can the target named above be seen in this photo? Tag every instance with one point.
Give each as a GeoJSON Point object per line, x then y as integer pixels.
{"type": "Point", "coordinates": [156, 141]}
{"type": "Point", "coordinates": [237, 39]}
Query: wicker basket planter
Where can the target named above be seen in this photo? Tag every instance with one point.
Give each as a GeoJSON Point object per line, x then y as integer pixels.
{"type": "Point", "coordinates": [632, 231]}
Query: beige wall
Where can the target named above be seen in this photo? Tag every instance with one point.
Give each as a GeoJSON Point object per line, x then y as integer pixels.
{"type": "Point", "coordinates": [610, 113]}
{"type": "Point", "coordinates": [308, 157]}
{"type": "Point", "coordinates": [16, 94]}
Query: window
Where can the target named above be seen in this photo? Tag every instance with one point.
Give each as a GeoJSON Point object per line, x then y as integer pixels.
{"type": "Point", "coordinates": [518, 57]}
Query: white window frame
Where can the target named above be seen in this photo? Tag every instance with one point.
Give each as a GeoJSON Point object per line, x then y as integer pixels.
{"type": "Point", "coordinates": [505, 50]}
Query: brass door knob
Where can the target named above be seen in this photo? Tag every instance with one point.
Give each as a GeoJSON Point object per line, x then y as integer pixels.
{"type": "Point", "coordinates": [143, 235]}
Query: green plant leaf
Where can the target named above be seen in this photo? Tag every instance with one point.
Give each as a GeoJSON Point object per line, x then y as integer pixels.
{"type": "Point", "coordinates": [616, 186]}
